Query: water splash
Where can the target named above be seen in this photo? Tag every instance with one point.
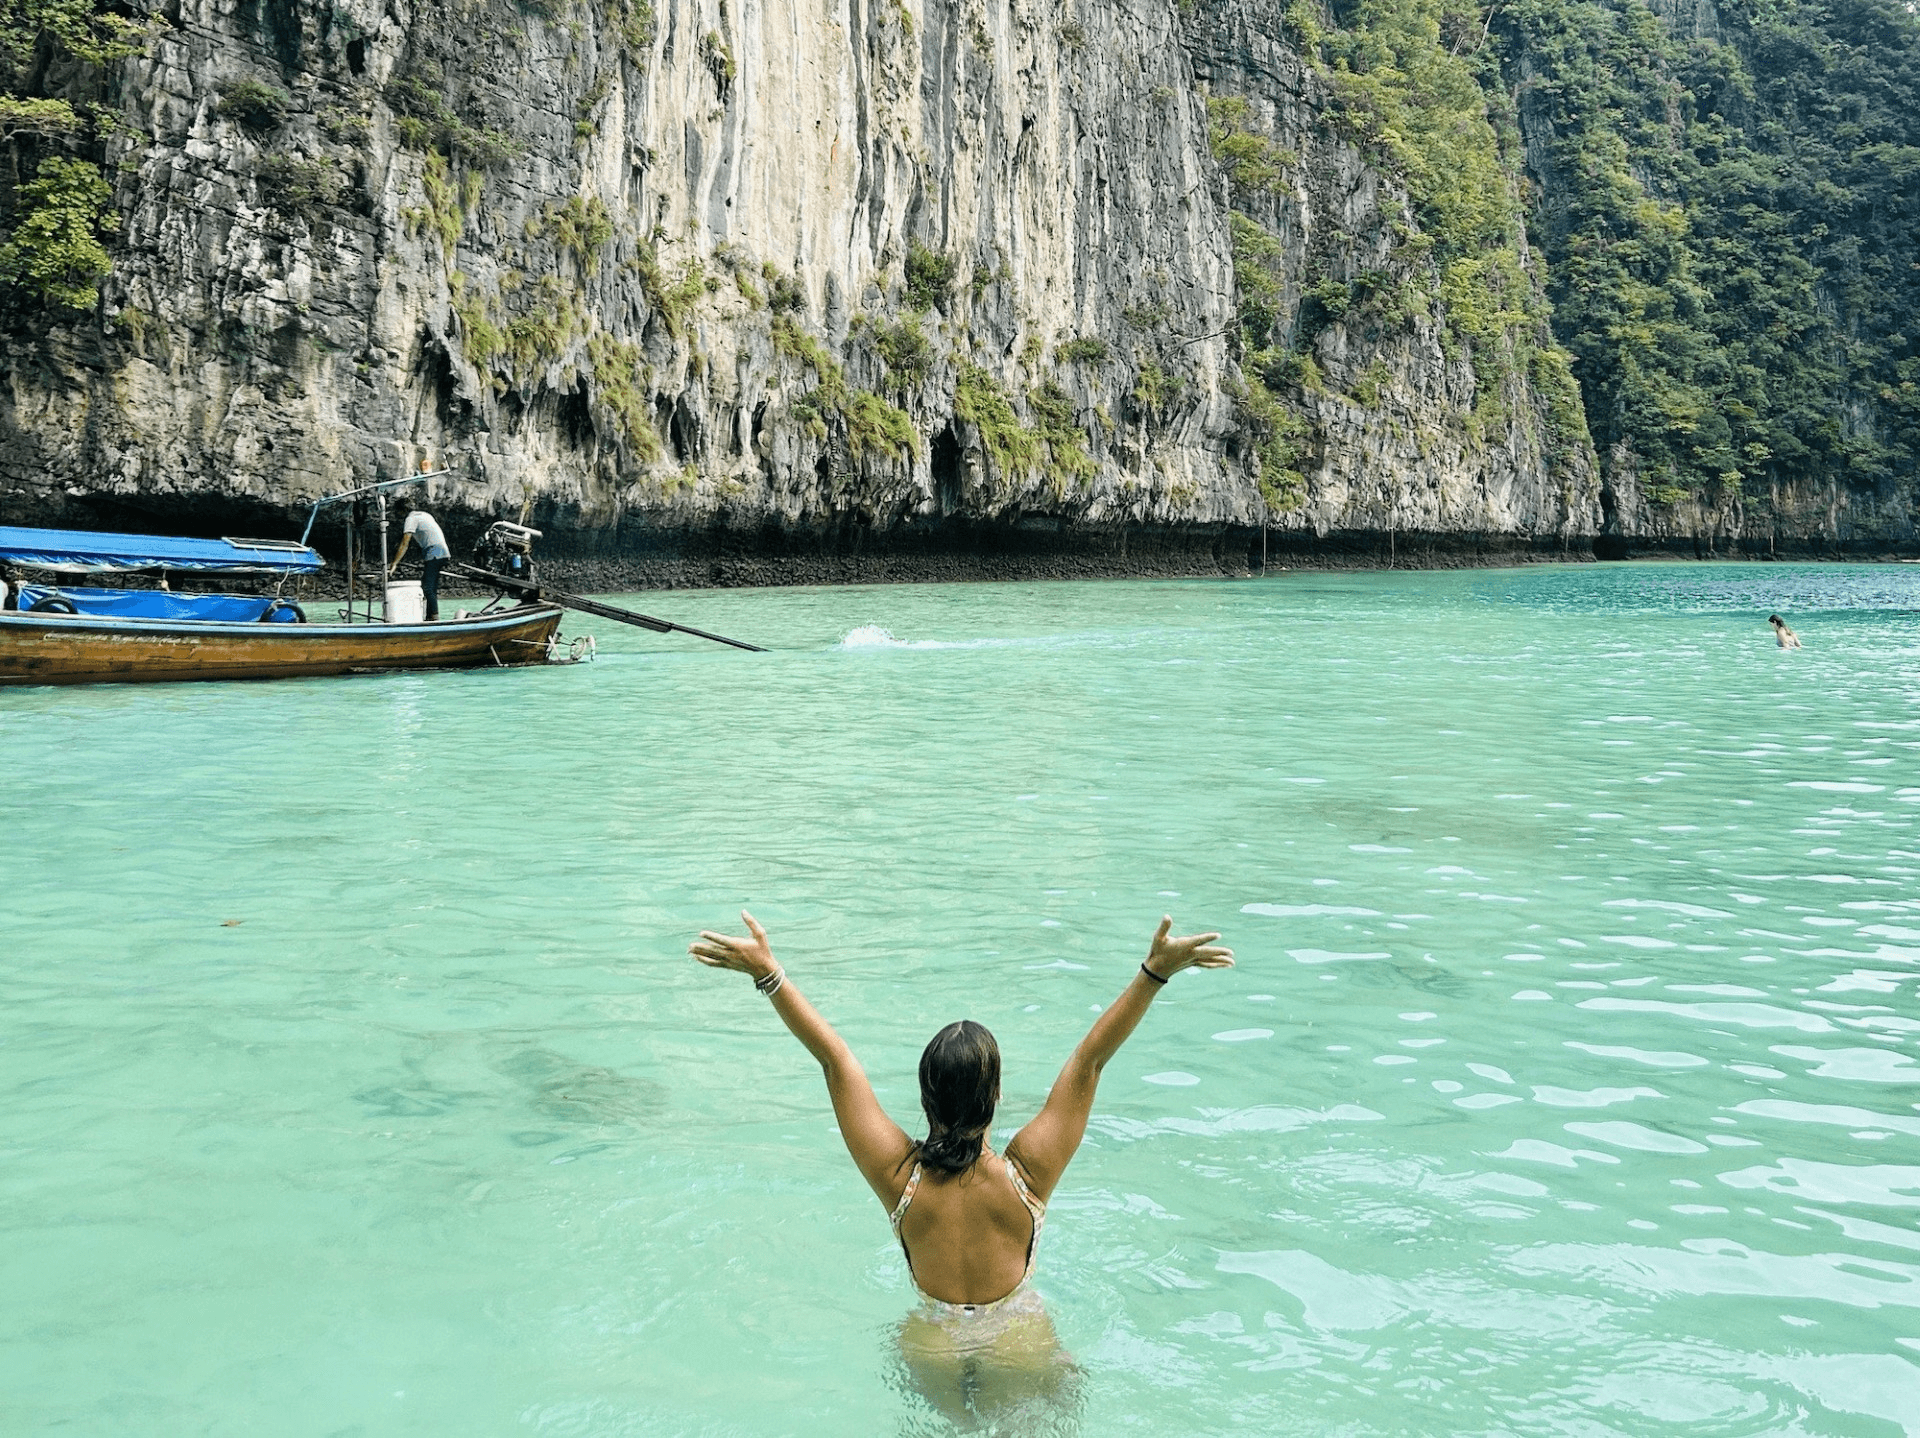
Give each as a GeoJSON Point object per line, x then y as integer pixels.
{"type": "Point", "coordinates": [871, 636]}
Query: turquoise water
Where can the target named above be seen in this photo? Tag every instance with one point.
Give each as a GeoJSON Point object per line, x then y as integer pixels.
{"type": "Point", "coordinates": [355, 1079]}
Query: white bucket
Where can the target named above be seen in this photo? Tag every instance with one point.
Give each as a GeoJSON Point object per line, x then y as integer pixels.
{"type": "Point", "coordinates": [406, 604]}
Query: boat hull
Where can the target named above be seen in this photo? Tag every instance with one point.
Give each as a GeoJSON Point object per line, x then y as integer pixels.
{"type": "Point", "coordinates": [75, 649]}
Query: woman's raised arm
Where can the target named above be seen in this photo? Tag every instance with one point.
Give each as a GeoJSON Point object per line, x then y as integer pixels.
{"type": "Point", "coordinates": [1046, 1146]}
{"type": "Point", "coordinates": [879, 1146]}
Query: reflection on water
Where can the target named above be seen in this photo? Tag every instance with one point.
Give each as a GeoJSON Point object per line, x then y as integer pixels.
{"type": "Point", "coordinates": [1569, 1081]}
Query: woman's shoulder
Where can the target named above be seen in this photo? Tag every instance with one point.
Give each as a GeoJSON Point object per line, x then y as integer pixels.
{"type": "Point", "coordinates": [1008, 1181]}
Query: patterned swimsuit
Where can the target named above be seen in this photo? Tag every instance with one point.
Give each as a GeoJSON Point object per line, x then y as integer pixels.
{"type": "Point", "coordinates": [978, 1324]}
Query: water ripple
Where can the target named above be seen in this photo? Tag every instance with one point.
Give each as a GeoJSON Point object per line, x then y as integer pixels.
{"type": "Point", "coordinates": [350, 1037]}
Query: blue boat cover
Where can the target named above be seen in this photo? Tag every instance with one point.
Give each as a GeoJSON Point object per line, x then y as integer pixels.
{"type": "Point", "coordinates": [118, 553]}
{"type": "Point", "coordinates": [157, 604]}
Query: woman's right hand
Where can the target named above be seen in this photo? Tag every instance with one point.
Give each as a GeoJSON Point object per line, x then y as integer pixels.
{"type": "Point", "coordinates": [1166, 956]}
{"type": "Point", "coordinates": [752, 956]}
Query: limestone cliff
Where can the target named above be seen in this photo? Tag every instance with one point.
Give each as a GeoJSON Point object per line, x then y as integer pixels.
{"type": "Point", "coordinates": [1728, 196]}
{"type": "Point", "coordinates": [761, 288]}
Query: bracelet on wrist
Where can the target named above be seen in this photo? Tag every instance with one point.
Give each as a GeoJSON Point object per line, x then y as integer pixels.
{"type": "Point", "coordinates": [770, 985]}
{"type": "Point", "coordinates": [1151, 974]}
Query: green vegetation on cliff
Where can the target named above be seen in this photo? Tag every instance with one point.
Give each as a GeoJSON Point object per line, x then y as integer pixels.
{"type": "Point", "coordinates": [1727, 197]}
{"type": "Point", "coordinates": [54, 250]}
{"type": "Point", "coordinates": [1410, 89]}
{"type": "Point", "coordinates": [54, 200]}
{"type": "Point", "coordinates": [868, 424]}
{"type": "Point", "coordinates": [1732, 221]}
{"type": "Point", "coordinates": [1054, 445]}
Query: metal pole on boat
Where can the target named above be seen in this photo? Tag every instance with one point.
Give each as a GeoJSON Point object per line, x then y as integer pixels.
{"type": "Point", "coordinates": [381, 495]}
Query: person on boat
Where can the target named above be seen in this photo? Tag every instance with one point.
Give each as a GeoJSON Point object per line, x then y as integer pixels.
{"type": "Point", "coordinates": [1783, 632]}
{"type": "Point", "coordinates": [420, 528]}
{"type": "Point", "coordinates": [968, 1219]}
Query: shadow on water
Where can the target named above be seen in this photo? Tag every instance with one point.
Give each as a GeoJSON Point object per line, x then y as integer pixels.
{"type": "Point", "coordinates": [1427, 978]}
{"type": "Point", "coordinates": [564, 1092]}
{"type": "Point", "coordinates": [559, 1091]}
{"type": "Point", "coordinates": [418, 1101]}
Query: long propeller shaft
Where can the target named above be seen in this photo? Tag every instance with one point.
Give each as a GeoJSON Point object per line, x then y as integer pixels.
{"type": "Point", "coordinates": [508, 585]}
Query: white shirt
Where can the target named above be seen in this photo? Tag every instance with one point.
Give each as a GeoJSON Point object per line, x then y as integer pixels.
{"type": "Point", "coordinates": [426, 534]}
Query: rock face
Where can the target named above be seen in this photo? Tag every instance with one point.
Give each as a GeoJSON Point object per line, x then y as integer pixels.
{"type": "Point", "coordinates": [750, 291]}
{"type": "Point", "coordinates": [1404, 439]}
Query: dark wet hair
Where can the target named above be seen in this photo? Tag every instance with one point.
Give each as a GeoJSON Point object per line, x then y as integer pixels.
{"type": "Point", "coordinates": [959, 1086]}
{"type": "Point", "coordinates": [1775, 619]}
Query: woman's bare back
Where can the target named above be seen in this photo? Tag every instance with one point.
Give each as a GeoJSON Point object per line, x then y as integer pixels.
{"type": "Point", "coordinates": [968, 1236]}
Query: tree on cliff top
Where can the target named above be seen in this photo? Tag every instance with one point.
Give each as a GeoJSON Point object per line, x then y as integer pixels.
{"type": "Point", "coordinates": [54, 201]}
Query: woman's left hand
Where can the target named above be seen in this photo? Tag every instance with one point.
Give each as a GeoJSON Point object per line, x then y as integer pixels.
{"type": "Point", "coordinates": [1167, 956]}
{"type": "Point", "coordinates": [752, 956]}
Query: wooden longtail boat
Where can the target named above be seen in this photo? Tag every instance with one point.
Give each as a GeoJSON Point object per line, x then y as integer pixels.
{"type": "Point", "coordinates": [67, 634]}
{"type": "Point", "coordinates": [85, 649]}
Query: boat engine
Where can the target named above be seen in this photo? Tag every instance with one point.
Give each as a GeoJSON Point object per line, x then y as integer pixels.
{"type": "Point", "coordinates": [507, 548]}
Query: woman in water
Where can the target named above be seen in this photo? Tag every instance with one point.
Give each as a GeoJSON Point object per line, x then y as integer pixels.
{"type": "Point", "coordinates": [1783, 632]}
{"type": "Point", "coordinates": [968, 1219]}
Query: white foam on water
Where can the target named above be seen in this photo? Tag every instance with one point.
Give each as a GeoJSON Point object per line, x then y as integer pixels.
{"type": "Point", "coordinates": [1556, 1097]}
{"type": "Point", "coordinates": [1860, 1065]}
{"type": "Point", "coordinates": [1692, 911]}
{"type": "Point", "coordinates": [1538, 1150]}
{"type": "Point", "coordinates": [878, 636]}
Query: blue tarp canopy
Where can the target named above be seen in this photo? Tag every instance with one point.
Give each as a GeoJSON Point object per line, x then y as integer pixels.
{"type": "Point", "coordinates": [159, 604]}
{"type": "Point", "coordinates": [70, 549]}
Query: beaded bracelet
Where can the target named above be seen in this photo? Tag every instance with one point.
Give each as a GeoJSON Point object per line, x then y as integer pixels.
{"type": "Point", "coordinates": [770, 985]}
{"type": "Point", "coordinates": [1151, 974]}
